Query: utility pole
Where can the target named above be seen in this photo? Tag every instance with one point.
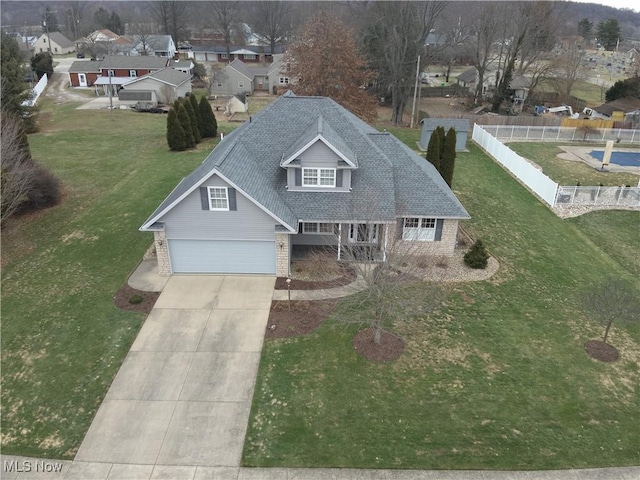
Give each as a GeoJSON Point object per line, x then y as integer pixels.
{"type": "Point", "coordinates": [415, 93]}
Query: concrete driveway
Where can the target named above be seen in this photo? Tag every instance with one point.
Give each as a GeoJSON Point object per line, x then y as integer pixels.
{"type": "Point", "coordinates": [183, 394]}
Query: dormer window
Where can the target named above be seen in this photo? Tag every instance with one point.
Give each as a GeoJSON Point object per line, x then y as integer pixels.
{"type": "Point", "coordinates": [319, 177]}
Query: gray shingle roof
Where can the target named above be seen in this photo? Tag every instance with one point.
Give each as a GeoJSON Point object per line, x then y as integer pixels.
{"type": "Point", "coordinates": [82, 66]}
{"type": "Point", "coordinates": [166, 75]}
{"type": "Point", "coordinates": [134, 61]}
{"type": "Point", "coordinates": [391, 180]}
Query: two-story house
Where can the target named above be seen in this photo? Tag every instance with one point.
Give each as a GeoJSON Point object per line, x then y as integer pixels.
{"type": "Point", "coordinates": [303, 171]}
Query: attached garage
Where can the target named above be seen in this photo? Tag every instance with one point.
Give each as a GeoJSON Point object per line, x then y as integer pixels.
{"type": "Point", "coordinates": [222, 256]}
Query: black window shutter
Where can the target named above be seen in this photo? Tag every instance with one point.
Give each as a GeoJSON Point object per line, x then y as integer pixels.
{"type": "Point", "coordinates": [232, 199]}
{"type": "Point", "coordinates": [204, 198]}
{"type": "Point", "coordinates": [339, 178]}
{"type": "Point", "coordinates": [439, 223]}
{"type": "Point", "coordinates": [399, 227]}
{"type": "Point", "coordinates": [298, 181]}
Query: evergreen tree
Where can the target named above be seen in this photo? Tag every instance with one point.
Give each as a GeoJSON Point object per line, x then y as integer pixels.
{"type": "Point", "coordinates": [12, 72]}
{"type": "Point", "coordinates": [42, 63]}
{"type": "Point", "coordinates": [441, 140]}
{"type": "Point", "coordinates": [175, 132]}
{"type": "Point", "coordinates": [209, 123]}
{"type": "Point", "coordinates": [477, 256]}
{"type": "Point", "coordinates": [448, 161]}
{"type": "Point", "coordinates": [196, 109]}
{"type": "Point", "coordinates": [585, 29]}
{"type": "Point", "coordinates": [115, 24]}
{"type": "Point", "coordinates": [185, 122]}
{"type": "Point", "coordinates": [609, 33]}
{"type": "Point", "coordinates": [195, 130]}
{"type": "Point", "coordinates": [433, 149]}
{"type": "Point", "coordinates": [624, 88]}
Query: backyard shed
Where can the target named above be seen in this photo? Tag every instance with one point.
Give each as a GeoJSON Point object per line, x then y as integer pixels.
{"type": "Point", "coordinates": [460, 125]}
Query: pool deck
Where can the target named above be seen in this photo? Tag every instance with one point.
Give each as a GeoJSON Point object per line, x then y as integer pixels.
{"type": "Point", "coordinates": [582, 154]}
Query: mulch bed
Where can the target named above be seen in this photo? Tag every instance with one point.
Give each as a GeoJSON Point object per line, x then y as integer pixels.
{"type": "Point", "coordinates": [304, 317]}
{"type": "Point", "coordinates": [122, 296]}
{"type": "Point", "coordinates": [601, 351]}
{"type": "Point", "coordinates": [348, 276]}
{"type": "Point", "coordinates": [390, 347]}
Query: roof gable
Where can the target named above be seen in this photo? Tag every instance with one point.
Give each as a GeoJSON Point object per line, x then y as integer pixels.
{"type": "Point", "coordinates": [321, 131]}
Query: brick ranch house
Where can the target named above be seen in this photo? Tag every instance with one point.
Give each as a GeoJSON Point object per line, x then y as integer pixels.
{"type": "Point", "coordinates": [304, 171]}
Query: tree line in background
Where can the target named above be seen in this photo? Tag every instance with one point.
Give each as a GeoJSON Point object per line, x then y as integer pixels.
{"type": "Point", "coordinates": [25, 184]}
{"type": "Point", "coordinates": [189, 121]}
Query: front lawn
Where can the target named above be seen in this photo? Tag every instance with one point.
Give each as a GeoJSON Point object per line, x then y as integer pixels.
{"type": "Point", "coordinates": [63, 339]}
{"type": "Point", "coordinates": [496, 379]}
{"type": "Point", "coordinates": [567, 172]}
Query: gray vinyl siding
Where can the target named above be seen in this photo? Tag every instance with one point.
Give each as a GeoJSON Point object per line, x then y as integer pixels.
{"type": "Point", "coordinates": [230, 78]}
{"type": "Point", "coordinates": [319, 155]}
{"type": "Point", "coordinates": [188, 220]}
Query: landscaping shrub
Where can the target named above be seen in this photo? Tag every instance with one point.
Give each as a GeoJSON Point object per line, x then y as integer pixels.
{"type": "Point", "coordinates": [195, 129]}
{"type": "Point", "coordinates": [175, 133]}
{"type": "Point", "coordinates": [196, 111]}
{"type": "Point", "coordinates": [477, 256]}
{"type": "Point", "coordinates": [43, 192]}
{"type": "Point", "coordinates": [135, 299]}
{"type": "Point", "coordinates": [185, 122]}
{"type": "Point", "coordinates": [209, 123]}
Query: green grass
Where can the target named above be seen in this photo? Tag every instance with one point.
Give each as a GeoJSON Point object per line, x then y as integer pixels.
{"type": "Point", "coordinates": [567, 172]}
{"type": "Point", "coordinates": [496, 379]}
{"type": "Point", "coordinates": [63, 339]}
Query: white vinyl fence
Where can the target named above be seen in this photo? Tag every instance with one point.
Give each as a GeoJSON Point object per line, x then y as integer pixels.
{"type": "Point", "coordinates": [36, 91]}
{"type": "Point", "coordinates": [603, 196]}
{"type": "Point", "coordinates": [513, 133]}
{"type": "Point", "coordinates": [524, 171]}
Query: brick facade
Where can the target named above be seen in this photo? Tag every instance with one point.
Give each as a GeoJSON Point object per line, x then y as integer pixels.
{"type": "Point", "coordinates": [162, 253]}
{"type": "Point", "coordinates": [444, 247]}
{"type": "Point", "coordinates": [282, 254]}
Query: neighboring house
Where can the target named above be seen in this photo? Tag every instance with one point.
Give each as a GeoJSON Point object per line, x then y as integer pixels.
{"type": "Point", "coordinates": [460, 125]}
{"type": "Point", "coordinates": [162, 86]}
{"type": "Point", "coordinates": [238, 104]}
{"type": "Point", "coordinates": [185, 66]}
{"type": "Point", "coordinates": [623, 109]}
{"type": "Point", "coordinates": [114, 71]}
{"type": "Point", "coordinates": [276, 76]}
{"type": "Point", "coordinates": [234, 78]}
{"type": "Point", "coordinates": [304, 171]}
{"type": "Point", "coordinates": [60, 45]}
{"type": "Point", "coordinates": [467, 79]}
{"type": "Point", "coordinates": [84, 73]}
{"type": "Point", "coordinates": [102, 42]}
{"type": "Point", "coordinates": [151, 45]}
{"type": "Point", "coordinates": [247, 53]}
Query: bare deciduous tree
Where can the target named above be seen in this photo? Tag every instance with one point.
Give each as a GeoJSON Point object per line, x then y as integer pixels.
{"type": "Point", "coordinates": [324, 60]}
{"type": "Point", "coordinates": [568, 68]}
{"type": "Point", "coordinates": [271, 21]}
{"type": "Point", "coordinates": [393, 37]}
{"type": "Point", "coordinates": [224, 16]}
{"type": "Point", "coordinates": [173, 16]}
{"type": "Point", "coordinates": [18, 170]}
{"type": "Point", "coordinates": [612, 300]}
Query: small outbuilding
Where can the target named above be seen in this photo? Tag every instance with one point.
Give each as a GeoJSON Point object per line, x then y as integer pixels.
{"type": "Point", "coordinates": [460, 125]}
{"type": "Point", "coordinates": [238, 104]}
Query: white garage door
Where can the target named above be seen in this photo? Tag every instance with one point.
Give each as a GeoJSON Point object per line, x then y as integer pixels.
{"type": "Point", "coordinates": [222, 256]}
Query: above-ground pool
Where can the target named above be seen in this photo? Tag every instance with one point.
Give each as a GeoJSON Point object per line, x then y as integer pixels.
{"type": "Point", "coordinates": [624, 159]}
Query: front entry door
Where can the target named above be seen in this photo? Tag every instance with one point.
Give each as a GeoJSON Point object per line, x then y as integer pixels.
{"type": "Point", "coordinates": [82, 78]}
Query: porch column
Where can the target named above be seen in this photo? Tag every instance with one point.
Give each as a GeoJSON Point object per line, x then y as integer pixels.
{"type": "Point", "coordinates": [282, 254]}
{"type": "Point", "coordinates": [384, 248]}
{"type": "Point", "coordinates": [339, 240]}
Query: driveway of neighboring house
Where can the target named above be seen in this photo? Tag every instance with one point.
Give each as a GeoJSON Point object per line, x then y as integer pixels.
{"type": "Point", "coordinates": [183, 395]}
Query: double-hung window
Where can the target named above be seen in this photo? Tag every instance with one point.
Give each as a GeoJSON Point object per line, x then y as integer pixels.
{"type": "Point", "coordinates": [319, 177]}
{"type": "Point", "coordinates": [218, 198]}
{"type": "Point", "coordinates": [284, 80]}
{"type": "Point", "coordinates": [421, 229]}
{"type": "Point", "coordinates": [133, 73]}
{"type": "Point", "coordinates": [317, 228]}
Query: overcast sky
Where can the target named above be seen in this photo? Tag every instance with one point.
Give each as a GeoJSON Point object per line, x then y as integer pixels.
{"type": "Point", "coordinates": [632, 4]}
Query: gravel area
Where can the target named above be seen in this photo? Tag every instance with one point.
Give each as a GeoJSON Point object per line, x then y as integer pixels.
{"type": "Point", "coordinates": [453, 269]}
